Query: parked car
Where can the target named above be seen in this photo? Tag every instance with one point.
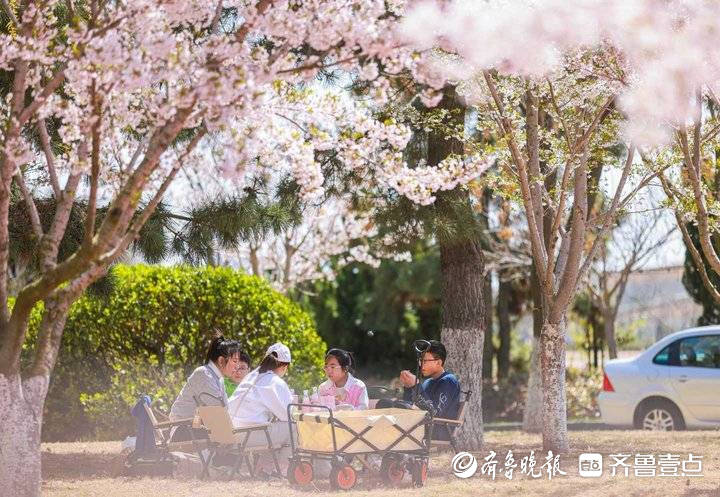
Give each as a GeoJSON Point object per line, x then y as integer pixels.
{"type": "Point", "coordinates": [673, 385]}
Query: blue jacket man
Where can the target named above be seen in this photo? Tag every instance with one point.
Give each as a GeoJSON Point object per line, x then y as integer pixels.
{"type": "Point", "coordinates": [438, 393]}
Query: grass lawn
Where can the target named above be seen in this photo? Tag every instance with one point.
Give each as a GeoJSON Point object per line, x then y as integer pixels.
{"type": "Point", "coordinates": [94, 469]}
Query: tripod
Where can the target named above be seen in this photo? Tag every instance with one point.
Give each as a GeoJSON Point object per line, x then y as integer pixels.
{"type": "Point", "coordinates": [420, 347]}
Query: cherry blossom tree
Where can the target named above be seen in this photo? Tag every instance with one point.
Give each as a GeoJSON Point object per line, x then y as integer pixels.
{"type": "Point", "coordinates": [554, 135]}
{"type": "Point", "coordinates": [691, 184]}
{"type": "Point", "coordinates": [649, 60]}
{"type": "Point", "coordinates": [110, 100]}
{"type": "Point", "coordinates": [665, 81]}
{"type": "Point", "coordinates": [329, 237]}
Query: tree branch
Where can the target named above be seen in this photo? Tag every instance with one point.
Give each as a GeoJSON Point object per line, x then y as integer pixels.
{"type": "Point", "coordinates": [610, 213]}
{"type": "Point", "coordinates": [216, 17]}
{"type": "Point", "coordinates": [540, 257]}
{"type": "Point", "coordinates": [566, 131]}
{"type": "Point", "coordinates": [697, 259]}
{"type": "Point", "coordinates": [533, 152]}
{"type": "Point", "coordinates": [50, 243]}
{"type": "Point", "coordinates": [578, 230]}
{"type": "Point", "coordinates": [9, 11]}
{"type": "Point", "coordinates": [40, 99]}
{"type": "Point", "coordinates": [57, 306]}
{"type": "Point", "coordinates": [140, 221]}
{"type": "Point", "coordinates": [7, 171]}
{"type": "Point", "coordinates": [49, 157]}
{"type": "Point", "coordinates": [94, 167]}
{"type": "Point", "coordinates": [123, 206]}
{"type": "Point", "coordinates": [702, 214]}
{"type": "Point", "coordinates": [600, 116]}
{"type": "Point", "coordinates": [30, 203]}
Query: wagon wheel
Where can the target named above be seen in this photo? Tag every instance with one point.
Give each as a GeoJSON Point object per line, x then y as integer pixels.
{"type": "Point", "coordinates": [300, 473]}
{"type": "Point", "coordinates": [419, 472]}
{"type": "Point", "coordinates": [392, 470]}
{"type": "Point", "coordinates": [343, 477]}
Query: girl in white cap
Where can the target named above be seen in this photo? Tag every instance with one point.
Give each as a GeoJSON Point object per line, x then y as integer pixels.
{"type": "Point", "coordinates": [263, 395]}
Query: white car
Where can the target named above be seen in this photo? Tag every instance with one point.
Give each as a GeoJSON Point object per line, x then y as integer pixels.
{"type": "Point", "coordinates": [673, 385]}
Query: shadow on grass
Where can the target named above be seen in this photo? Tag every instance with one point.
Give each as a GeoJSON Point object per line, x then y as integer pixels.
{"type": "Point", "coordinates": [80, 465]}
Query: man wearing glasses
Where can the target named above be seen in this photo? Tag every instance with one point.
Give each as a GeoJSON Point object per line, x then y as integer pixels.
{"type": "Point", "coordinates": [439, 391]}
{"type": "Point", "coordinates": [242, 368]}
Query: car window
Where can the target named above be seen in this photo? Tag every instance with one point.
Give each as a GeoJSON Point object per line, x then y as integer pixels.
{"type": "Point", "coordinates": [700, 351]}
{"type": "Point", "coordinates": [663, 357]}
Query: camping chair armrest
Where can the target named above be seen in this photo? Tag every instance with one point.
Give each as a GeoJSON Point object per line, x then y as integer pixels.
{"type": "Point", "coordinates": [258, 426]}
{"type": "Point", "coordinates": [163, 417]}
{"type": "Point", "coordinates": [169, 424]}
{"type": "Point", "coordinates": [446, 421]}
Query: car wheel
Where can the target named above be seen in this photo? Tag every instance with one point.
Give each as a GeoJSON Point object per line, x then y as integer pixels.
{"type": "Point", "coordinates": [660, 415]}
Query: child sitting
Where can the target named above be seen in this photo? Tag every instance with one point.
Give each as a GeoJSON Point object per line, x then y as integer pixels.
{"type": "Point", "coordinates": [349, 392]}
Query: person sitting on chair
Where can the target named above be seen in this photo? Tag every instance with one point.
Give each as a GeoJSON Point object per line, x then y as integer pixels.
{"type": "Point", "coordinates": [236, 376]}
{"type": "Point", "coordinates": [439, 393]}
{"type": "Point", "coordinates": [348, 390]}
{"type": "Point", "coordinates": [263, 396]}
{"type": "Point", "coordinates": [205, 384]}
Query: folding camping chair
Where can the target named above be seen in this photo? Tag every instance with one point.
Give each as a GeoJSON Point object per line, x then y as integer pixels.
{"type": "Point", "coordinates": [451, 424]}
{"type": "Point", "coordinates": [216, 420]}
{"type": "Point", "coordinates": [156, 458]}
{"type": "Point", "coordinates": [163, 430]}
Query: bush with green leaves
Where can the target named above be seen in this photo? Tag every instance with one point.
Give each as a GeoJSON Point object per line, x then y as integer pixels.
{"type": "Point", "coordinates": [150, 329]}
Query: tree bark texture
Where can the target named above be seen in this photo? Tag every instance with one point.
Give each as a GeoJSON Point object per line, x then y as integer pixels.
{"type": "Point", "coordinates": [21, 405]}
{"type": "Point", "coordinates": [504, 328]}
{"type": "Point", "coordinates": [610, 339]}
{"type": "Point", "coordinates": [532, 417]}
{"type": "Point", "coordinates": [462, 333]}
{"type": "Point", "coordinates": [552, 360]}
{"type": "Point", "coordinates": [488, 347]}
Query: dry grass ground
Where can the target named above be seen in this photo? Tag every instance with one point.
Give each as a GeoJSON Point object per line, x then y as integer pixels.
{"type": "Point", "coordinates": [92, 469]}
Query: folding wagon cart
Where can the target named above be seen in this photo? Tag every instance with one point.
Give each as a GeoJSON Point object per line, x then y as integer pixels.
{"type": "Point", "coordinates": [401, 437]}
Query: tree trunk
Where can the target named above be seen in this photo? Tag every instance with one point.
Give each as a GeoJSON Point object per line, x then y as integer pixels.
{"type": "Point", "coordinates": [588, 349]}
{"type": "Point", "coordinates": [462, 332]}
{"type": "Point", "coordinates": [609, 328]}
{"type": "Point", "coordinates": [594, 338]}
{"type": "Point", "coordinates": [21, 405]}
{"type": "Point", "coordinates": [22, 400]}
{"type": "Point", "coordinates": [488, 347]}
{"type": "Point", "coordinates": [461, 298]}
{"type": "Point", "coordinates": [532, 417]}
{"type": "Point", "coordinates": [552, 358]}
{"type": "Point", "coordinates": [503, 315]}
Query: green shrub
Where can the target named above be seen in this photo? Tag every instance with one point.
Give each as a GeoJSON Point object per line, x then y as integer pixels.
{"type": "Point", "coordinates": [152, 329]}
{"type": "Point", "coordinates": [128, 381]}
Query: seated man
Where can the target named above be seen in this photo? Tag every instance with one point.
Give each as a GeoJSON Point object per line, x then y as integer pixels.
{"type": "Point", "coordinates": [236, 376]}
{"type": "Point", "coordinates": [438, 393]}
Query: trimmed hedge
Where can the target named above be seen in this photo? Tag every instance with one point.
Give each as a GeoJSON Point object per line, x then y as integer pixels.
{"type": "Point", "coordinates": [151, 330]}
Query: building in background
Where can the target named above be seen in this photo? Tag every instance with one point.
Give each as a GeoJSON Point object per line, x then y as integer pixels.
{"type": "Point", "coordinates": [657, 303]}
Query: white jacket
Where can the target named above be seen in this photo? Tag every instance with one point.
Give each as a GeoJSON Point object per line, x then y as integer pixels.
{"type": "Point", "coordinates": [258, 397]}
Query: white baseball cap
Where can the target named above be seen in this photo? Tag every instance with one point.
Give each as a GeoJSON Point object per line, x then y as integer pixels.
{"type": "Point", "coordinates": [281, 351]}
